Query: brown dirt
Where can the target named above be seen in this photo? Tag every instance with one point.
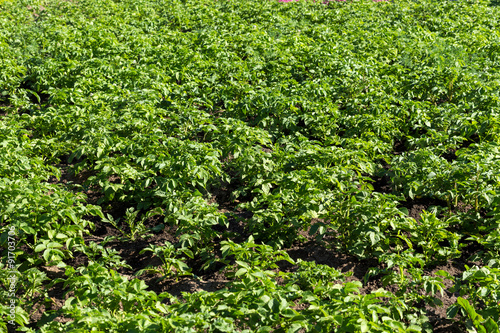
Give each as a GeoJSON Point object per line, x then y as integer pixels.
{"type": "Point", "coordinates": [437, 315]}
{"type": "Point", "coordinates": [417, 206]}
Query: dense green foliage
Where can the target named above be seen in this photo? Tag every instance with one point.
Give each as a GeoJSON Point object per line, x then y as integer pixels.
{"type": "Point", "coordinates": [297, 111]}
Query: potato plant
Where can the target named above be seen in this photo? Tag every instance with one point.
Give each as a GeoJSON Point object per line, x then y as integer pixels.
{"type": "Point", "coordinates": [278, 166]}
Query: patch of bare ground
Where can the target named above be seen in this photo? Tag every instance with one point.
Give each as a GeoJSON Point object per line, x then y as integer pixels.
{"type": "Point", "coordinates": [209, 283]}
{"type": "Point", "coordinates": [437, 315]}
{"type": "Point", "coordinates": [382, 184]}
{"type": "Point", "coordinates": [463, 207]}
{"type": "Point", "coordinates": [222, 196]}
{"type": "Point", "coordinates": [415, 207]}
{"type": "Point", "coordinates": [400, 146]}
{"type": "Point", "coordinates": [57, 295]}
{"type": "Point", "coordinates": [310, 251]}
{"type": "Point", "coordinates": [237, 229]}
{"type": "Point", "coordinates": [67, 176]}
{"type": "Point", "coordinates": [74, 182]}
{"type": "Point", "coordinates": [381, 181]}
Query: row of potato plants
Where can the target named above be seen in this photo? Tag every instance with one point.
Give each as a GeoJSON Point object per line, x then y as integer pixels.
{"type": "Point", "coordinates": [296, 110]}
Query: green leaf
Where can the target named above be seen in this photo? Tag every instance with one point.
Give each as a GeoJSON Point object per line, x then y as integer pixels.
{"type": "Point", "coordinates": [241, 271]}
{"type": "Point", "coordinates": [243, 264]}
{"type": "Point", "coordinates": [40, 247]}
{"type": "Point", "coordinates": [294, 328]}
{"type": "Point", "coordinates": [491, 326]}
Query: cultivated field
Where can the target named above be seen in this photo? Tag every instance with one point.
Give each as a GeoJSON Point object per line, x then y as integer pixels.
{"type": "Point", "coordinates": [249, 166]}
